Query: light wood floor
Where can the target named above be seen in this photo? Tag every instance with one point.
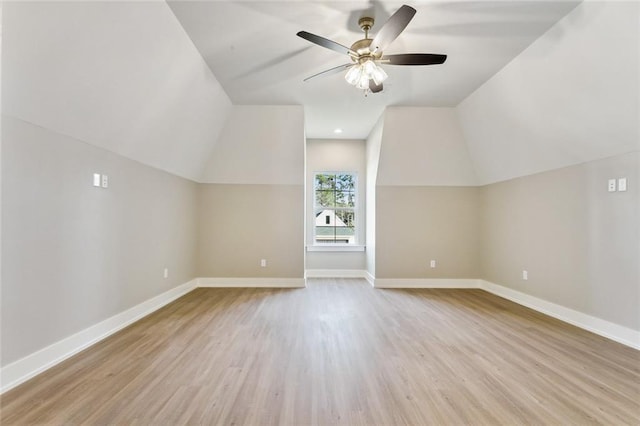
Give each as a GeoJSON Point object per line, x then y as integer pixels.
{"type": "Point", "coordinates": [339, 352]}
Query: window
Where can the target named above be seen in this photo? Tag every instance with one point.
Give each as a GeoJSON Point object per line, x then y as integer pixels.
{"type": "Point", "coordinates": [335, 208]}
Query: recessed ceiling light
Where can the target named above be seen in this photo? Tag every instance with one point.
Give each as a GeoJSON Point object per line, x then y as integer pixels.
{"type": "Point", "coordinates": [337, 131]}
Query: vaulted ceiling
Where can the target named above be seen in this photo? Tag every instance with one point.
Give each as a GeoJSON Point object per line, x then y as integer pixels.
{"type": "Point", "coordinates": [252, 49]}
{"type": "Point", "coordinates": [160, 83]}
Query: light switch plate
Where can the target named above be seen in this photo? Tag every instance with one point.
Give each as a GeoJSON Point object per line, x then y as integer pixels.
{"type": "Point", "coordinates": [96, 179]}
{"type": "Point", "coordinates": [622, 184]}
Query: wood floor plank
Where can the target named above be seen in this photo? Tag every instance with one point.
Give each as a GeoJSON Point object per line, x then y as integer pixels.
{"type": "Point", "coordinates": [338, 352]}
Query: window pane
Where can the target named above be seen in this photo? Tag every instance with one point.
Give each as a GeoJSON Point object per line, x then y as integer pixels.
{"type": "Point", "coordinates": [325, 198]}
{"type": "Point", "coordinates": [345, 199]}
{"type": "Point", "coordinates": [351, 200]}
{"type": "Point", "coordinates": [325, 181]}
{"type": "Point", "coordinates": [335, 226]}
{"type": "Point", "coordinates": [346, 217]}
{"type": "Point", "coordinates": [345, 183]}
{"type": "Point", "coordinates": [324, 225]}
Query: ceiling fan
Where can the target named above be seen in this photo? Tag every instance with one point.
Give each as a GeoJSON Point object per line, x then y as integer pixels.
{"type": "Point", "coordinates": [364, 70]}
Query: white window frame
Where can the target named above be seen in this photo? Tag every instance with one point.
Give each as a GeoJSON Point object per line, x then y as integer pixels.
{"type": "Point", "coordinates": [353, 246]}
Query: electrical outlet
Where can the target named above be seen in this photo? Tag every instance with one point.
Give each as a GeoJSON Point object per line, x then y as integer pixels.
{"type": "Point", "coordinates": [612, 185]}
{"type": "Point", "coordinates": [525, 275]}
{"type": "Point", "coordinates": [105, 181]}
{"type": "Point", "coordinates": [432, 264]}
{"type": "Point", "coordinates": [263, 263]}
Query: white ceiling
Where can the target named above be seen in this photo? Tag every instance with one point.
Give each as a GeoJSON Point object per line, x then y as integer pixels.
{"type": "Point", "coordinates": [253, 51]}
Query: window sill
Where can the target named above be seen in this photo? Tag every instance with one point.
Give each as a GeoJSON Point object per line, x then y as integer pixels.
{"type": "Point", "coordinates": [336, 247]}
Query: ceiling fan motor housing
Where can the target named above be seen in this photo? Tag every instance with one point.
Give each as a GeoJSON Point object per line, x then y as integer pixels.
{"type": "Point", "coordinates": [362, 47]}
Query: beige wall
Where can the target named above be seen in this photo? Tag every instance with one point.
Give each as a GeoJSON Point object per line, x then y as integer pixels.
{"type": "Point", "coordinates": [415, 224]}
{"type": "Point", "coordinates": [424, 196]}
{"type": "Point", "coordinates": [578, 242]}
{"type": "Point", "coordinates": [239, 225]}
{"type": "Point", "coordinates": [74, 255]}
{"type": "Point", "coordinates": [251, 206]}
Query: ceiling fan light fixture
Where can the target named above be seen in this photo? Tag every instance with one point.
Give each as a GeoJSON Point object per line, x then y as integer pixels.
{"type": "Point", "coordinates": [353, 75]}
{"type": "Point", "coordinates": [378, 75]}
{"type": "Point", "coordinates": [369, 67]}
{"type": "Point", "coordinates": [360, 74]}
{"type": "Point", "coordinates": [363, 83]}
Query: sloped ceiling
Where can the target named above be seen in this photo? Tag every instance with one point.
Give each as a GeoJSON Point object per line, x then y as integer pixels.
{"type": "Point", "coordinates": [573, 96]}
{"type": "Point", "coordinates": [253, 50]}
{"type": "Point", "coordinates": [155, 82]}
{"type": "Point", "coordinates": [119, 75]}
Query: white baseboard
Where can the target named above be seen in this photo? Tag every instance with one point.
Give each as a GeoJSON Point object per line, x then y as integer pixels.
{"type": "Point", "coordinates": [370, 278]}
{"type": "Point", "coordinates": [340, 273]}
{"type": "Point", "coordinates": [335, 273]}
{"type": "Point", "coordinates": [425, 283]}
{"type": "Point", "coordinates": [251, 282]}
{"type": "Point", "coordinates": [23, 369]}
{"type": "Point", "coordinates": [618, 333]}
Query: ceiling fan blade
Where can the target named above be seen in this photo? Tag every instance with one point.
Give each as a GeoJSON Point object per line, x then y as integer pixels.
{"type": "Point", "coordinates": [392, 28]}
{"type": "Point", "coordinates": [325, 42]}
{"type": "Point", "coordinates": [414, 59]}
{"type": "Point", "coordinates": [330, 71]}
{"type": "Point", "coordinates": [375, 88]}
